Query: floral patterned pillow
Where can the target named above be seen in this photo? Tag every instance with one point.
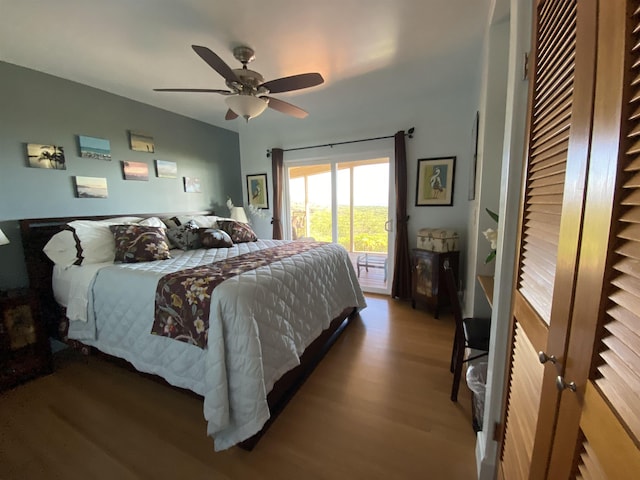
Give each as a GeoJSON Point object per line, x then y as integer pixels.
{"type": "Point", "coordinates": [238, 231]}
{"type": "Point", "coordinates": [138, 243]}
{"type": "Point", "coordinates": [215, 238]}
{"type": "Point", "coordinates": [185, 236]}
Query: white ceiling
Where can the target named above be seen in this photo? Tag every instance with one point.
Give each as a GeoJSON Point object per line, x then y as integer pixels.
{"type": "Point", "coordinates": [362, 48]}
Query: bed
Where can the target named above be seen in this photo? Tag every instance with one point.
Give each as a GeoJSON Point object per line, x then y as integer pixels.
{"type": "Point", "coordinates": [239, 325]}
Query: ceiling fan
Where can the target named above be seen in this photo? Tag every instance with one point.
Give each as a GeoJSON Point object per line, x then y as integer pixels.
{"type": "Point", "coordinates": [249, 95]}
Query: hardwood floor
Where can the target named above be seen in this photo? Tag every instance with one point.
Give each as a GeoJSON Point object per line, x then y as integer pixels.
{"type": "Point", "coordinates": [376, 407]}
{"type": "Point", "coordinates": [374, 278]}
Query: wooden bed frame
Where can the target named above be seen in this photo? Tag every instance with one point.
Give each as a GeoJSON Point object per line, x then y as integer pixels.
{"type": "Point", "coordinates": [37, 232]}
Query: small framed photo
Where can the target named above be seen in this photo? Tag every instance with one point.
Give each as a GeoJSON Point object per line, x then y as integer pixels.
{"type": "Point", "coordinates": [91, 187]}
{"type": "Point", "coordinates": [165, 169]}
{"type": "Point", "coordinates": [192, 185]}
{"type": "Point", "coordinates": [91, 147]}
{"type": "Point", "coordinates": [435, 181]}
{"type": "Point", "coordinates": [257, 190]}
{"type": "Point", "coordinates": [135, 171]}
{"type": "Point", "coordinates": [46, 156]}
{"type": "Point", "coordinates": [141, 142]}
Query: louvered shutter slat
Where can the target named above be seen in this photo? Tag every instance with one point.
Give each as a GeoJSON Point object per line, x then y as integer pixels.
{"type": "Point", "coordinates": [618, 393]}
{"type": "Point", "coordinates": [524, 395]}
{"type": "Point", "coordinates": [619, 329]}
{"type": "Point", "coordinates": [633, 198]}
{"type": "Point", "coordinates": [633, 165]}
{"type": "Point", "coordinates": [590, 467]}
{"type": "Point", "coordinates": [631, 216]}
{"type": "Point", "coordinates": [619, 356]}
{"type": "Point", "coordinates": [547, 209]}
{"type": "Point", "coordinates": [623, 316]}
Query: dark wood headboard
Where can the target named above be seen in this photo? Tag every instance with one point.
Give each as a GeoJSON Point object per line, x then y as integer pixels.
{"type": "Point", "coordinates": [36, 232]}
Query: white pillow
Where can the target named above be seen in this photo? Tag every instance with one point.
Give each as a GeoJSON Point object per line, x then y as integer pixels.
{"type": "Point", "coordinates": [124, 220]}
{"type": "Point", "coordinates": [204, 221]}
{"type": "Point", "coordinates": [61, 249]}
{"type": "Point", "coordinates": [170, 222]}
{"type": "Point", "coordinates": [152, 222]}
{"type": "Point", "coordinates": [94, 241]}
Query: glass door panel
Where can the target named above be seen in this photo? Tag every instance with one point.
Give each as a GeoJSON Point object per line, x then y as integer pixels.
{"type": "Point", "coordinates": [346, 202]}
{"type": "Point", "coordinates": [363, 211]}
{"type": "Point", "coordinates": [310, 202]}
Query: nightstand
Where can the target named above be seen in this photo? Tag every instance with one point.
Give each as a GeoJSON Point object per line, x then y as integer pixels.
{"type": "Point", "coordinates": [24, 347]}
{"type": "Point", "coordinates": [427, 278]}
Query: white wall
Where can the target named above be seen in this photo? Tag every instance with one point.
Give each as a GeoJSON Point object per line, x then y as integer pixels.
{"type": "Point", "coordinates": [442, 115]}
{"type": "Point", "coordinates": [491, 136]}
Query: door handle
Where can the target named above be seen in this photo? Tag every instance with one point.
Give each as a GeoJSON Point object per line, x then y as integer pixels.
{"type": "Point", "coordinates": [544, 358]}
{"type": "Point", "coordinates": [561, 384]}
{"type": "Point", "coordinates": [387, 226]}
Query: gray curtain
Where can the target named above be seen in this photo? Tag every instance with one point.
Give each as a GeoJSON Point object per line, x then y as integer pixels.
{"type": "Point", "coordinates": [277, 167]}
{"type": "Point", "coordinates": [401, 286]}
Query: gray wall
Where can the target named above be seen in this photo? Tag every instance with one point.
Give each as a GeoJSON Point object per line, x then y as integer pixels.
{"type": "Point", "coordinates": [39, 108]}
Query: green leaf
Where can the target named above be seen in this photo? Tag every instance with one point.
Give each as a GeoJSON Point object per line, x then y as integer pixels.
{"type": "Point", "coordinates": [490, 257]}
{"type": "Point", "coordinates": [492, 214]}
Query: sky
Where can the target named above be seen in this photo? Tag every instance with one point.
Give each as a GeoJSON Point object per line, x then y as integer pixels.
{"type": "Point", "coordinates": [371, 187]}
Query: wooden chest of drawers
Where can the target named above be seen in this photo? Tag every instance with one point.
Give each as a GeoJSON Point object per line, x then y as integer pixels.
{"type": "Point", "coordinates": [427, 278]}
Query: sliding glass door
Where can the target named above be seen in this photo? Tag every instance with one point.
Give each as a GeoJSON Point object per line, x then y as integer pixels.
{"type": "Point", "coordinates": [346, 202]}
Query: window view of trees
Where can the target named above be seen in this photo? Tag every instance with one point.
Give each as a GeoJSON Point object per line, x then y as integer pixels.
{"type": "Point", "coordinates": [368, 226]}
{"type": "Point", "coordinates": [310, 203]}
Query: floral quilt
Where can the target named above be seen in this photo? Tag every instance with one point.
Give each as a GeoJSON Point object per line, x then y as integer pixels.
{"type": "Point", "coordinates": [183, 298]}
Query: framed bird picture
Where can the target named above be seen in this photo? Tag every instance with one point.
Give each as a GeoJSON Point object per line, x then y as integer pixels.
{"type": "Point", "coordinates": [257, 190]}
{"type": "Point", "coordinates": [435, 181]}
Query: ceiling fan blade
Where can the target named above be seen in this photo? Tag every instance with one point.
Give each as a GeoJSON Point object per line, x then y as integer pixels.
{"type": "Point", "coordinates": [286, 108]}
{"type": "Point", "coordinates": [295, 82]}
{"type": "Point", "coordinates": [198, 90]}
{"type": "Point", "coordinates": [215, 62]}
{"type": "Point", "coordinates": [231, 115]}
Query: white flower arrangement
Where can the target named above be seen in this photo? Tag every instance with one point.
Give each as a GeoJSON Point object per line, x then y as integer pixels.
{"type": "Point", "coordinates": [256, 212]}
{"type": "Point", "coordinates": [253, 211]}
{"type": "Point", "coordinates": [492, 236]}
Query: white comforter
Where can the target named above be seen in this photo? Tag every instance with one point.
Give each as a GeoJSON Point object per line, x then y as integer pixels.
{"type": "Point", "coordinates": [260, 323]}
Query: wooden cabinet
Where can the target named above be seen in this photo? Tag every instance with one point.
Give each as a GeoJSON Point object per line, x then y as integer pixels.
{"type": "Point", "coordinates": [24, 347]}
{"type": "Point", "coordinates": [427, 278]}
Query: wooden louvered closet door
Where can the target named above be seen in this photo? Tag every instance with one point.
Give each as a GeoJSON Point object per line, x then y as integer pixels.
{"type": "Point", "coordinates": [559, 128]}
{"type": "Point", "coordinates": [598, 428]}
{"type": "Point", "coordinates": [593, 289]}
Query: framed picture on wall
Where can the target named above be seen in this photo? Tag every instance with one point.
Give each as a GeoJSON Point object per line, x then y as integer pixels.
{"type": "Point", "coordinates": [141, 142]}
{"type": "Point", "coordinates": [91, 187]}
{"type": "Point", "coordinates": [165, 169]}
{"type": "Point", "coordinates": [435, 181]}
{"type": "Point", "coordinates": [192, 185]}
{"type": "Point", "coordinates": [257, 190]}
{"type": "Point", "coordinates": [92, 147]}
{"type": "Point", "coordinates": [46, 156]}
{"type": "Point", "coordinates": [135, 171]}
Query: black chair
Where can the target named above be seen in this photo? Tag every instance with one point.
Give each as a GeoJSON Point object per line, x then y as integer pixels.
{"type": "Point", "coordinates": [472, 333]}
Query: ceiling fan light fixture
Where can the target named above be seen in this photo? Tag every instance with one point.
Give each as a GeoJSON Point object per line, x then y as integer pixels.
{"type": "Point", "coordinates": [249, 95]}
{"type": "Point", "coordinates": [246, 106]}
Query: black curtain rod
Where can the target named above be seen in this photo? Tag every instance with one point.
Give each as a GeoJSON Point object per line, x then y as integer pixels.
{"type": "Point", "coordinates": [408, 134]}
